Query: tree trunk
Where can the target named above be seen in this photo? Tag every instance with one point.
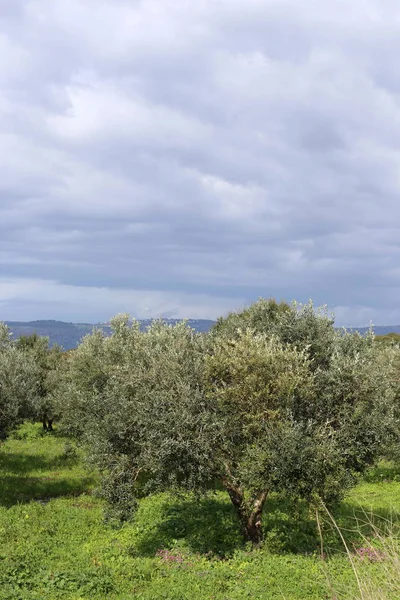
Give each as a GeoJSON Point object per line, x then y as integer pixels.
{"type": "Point", "coordinates": [47, 424]}
{"type": "Point", "coordinates": [249, 513]}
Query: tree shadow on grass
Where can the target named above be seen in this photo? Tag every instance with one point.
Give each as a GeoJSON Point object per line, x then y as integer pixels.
{"type": "Point", "coordinates": [17, 486]}
{"type": "Point", "coordinates": [201, 525]}
{"type": "Point", "coordinates": [21, 463]}
{"type": "Point", "coordinates": [210, 526]}
{"type": "Point", "coordinates": [291, 526]}
{"type": "Point", "coordinates": [17, 490]}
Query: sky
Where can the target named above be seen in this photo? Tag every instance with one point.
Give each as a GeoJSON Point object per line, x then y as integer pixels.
{"type": "Point", "coordinates": [176, 158]}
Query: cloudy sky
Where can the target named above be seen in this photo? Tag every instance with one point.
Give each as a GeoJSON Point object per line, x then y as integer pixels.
{"type": "Point", "coordinates": [184, 157]}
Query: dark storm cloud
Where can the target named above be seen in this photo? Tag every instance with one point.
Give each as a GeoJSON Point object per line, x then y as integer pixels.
{"type": "Point", "coordinates": [184, 158]}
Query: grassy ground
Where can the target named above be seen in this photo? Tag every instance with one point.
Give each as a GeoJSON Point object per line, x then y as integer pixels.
{"type": "Point", "coordinates": [54, 543]}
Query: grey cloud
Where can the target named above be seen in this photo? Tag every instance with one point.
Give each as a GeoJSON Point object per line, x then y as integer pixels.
{"type": "Point", "coordinates": [199, 155]}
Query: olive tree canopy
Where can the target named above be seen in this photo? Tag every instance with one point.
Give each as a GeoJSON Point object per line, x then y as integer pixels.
{"type": "Point", "coordinates": [18, 382]}
{"type": "Point", "coordinates": [273, 399]}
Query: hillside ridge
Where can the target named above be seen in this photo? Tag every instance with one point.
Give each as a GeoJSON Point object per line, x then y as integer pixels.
{"type": "Point", "coordinates": [68, 334]}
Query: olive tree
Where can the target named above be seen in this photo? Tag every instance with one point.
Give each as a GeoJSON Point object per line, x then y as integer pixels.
{"type": "Point", "coordinates": [48, 362]}
{"type": "Point", "coordinates": [138, 401]}
{"type": "Point", "coordinates": [389, 364]}
{"type": "Point", "coordinates": [274, 399]}
{"type": "Point", "coordinates": [18, 382]}
{"type": "Point", "coordinates": [254, 385]}
{"type": "Point", "coordinates": [294, 428]}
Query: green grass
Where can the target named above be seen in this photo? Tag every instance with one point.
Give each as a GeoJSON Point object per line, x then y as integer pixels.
{"type": "Point", "coordinates": [54, 543]}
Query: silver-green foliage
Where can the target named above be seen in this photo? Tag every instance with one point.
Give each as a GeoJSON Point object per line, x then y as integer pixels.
{"type": "Point", "coordinates": [48, 362]}
{"type": "Point", "coordinates": [273, 399]}
{"type": "Point", "coordinates": [138, 399]}
{"type": "Point", "coordinates": [18, 382]}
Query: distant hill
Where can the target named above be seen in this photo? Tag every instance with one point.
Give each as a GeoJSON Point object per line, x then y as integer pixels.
{"type": "Point", "coordinates": [68, 335]}
{"type": "Point", "coordinates": [378, 329]}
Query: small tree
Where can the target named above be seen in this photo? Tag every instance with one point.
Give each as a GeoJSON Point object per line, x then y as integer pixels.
{"type": "Point", "coordinates": [48, 362]}
{"type": "Point", "coordinates": [291, 427]}
{"type": "Point", "coordinates": [254, 385]}
{"type": "Point", "coordinates": [138, 400]}
{"type": "Point", "coordinates": [18, 382]}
